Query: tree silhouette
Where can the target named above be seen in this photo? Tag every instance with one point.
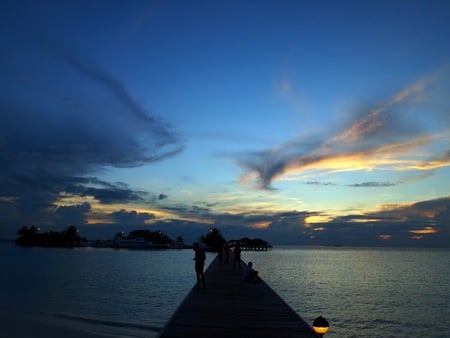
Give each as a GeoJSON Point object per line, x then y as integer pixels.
{"type": "Point", "coordinates": [156, 237]}
{"type": "Point", "coordinates": [33, 236]}
{"type": "Point", "coordinates": [213, 239]}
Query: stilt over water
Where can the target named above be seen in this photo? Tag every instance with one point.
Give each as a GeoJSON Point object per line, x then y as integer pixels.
{"type": "Point", "coordinates": [230, 307]}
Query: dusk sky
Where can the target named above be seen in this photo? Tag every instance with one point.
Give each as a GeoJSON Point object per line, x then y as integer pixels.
{"type": "Point", "coordinates": [299, 122]}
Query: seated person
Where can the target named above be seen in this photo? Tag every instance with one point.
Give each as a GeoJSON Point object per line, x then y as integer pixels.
{"type": "Point", "coordinates": [250, 275]}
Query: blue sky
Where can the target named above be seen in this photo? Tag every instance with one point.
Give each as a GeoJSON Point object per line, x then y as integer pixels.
{"type": "Point", "coordinates": [300, 122]}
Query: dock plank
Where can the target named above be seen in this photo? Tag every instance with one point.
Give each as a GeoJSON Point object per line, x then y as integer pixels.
{"type": "Point", "coordinates": [229, 307]}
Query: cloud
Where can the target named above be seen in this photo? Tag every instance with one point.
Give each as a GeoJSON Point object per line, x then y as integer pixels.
{"type": "Point", "coordinates": [393, 225]}
{"type": "Point", "coordinates": [318, 183]}
{"type": "Point", "coordinates": [378, 119]}
{"type": "Point", "coordinates": [131, 218]}
{"type": "Point", "coordinates": [73, 214]}
{"type": "Point", "coordinates": [279, 228]}
{"type": "Point", "coordinates": [63, 121]}
{"type": "Point", "coordinates": [372, 184]}
{"type": "Point", "coordinates": [382, 137]}
{"type": "Point", "coordinates": [104, 192]}
{"type": "Point", "coordinates": [423, 223]}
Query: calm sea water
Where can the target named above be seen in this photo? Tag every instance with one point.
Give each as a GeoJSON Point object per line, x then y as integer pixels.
{"type": "Point", "coordinates": [126, 293]}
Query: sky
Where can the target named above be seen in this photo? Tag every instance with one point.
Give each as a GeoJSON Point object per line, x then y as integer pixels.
{"type": "Point", "coordinates": [298, 122]}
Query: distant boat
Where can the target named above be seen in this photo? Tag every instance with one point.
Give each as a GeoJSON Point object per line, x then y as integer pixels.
{"type": "Point", "coordinates": [134, 243]}
{"type": "Point", "coordinates": [124, 243]}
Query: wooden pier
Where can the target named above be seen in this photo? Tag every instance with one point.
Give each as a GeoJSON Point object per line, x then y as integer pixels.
{"type": "Point", "coordinates": [231, 307]}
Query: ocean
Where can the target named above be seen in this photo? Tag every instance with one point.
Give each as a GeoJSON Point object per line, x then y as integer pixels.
{"type": "Point", "coordinates": [101, 292]}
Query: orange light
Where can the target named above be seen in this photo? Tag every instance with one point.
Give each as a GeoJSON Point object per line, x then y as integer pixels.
{"type": "Point", "coordinates": [320, 330]}
{"type": "Point", "coordinates": [320, 326]}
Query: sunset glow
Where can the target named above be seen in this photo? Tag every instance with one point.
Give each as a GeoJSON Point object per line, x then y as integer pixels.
{"type": "Point", "coordinates": [296, 122]}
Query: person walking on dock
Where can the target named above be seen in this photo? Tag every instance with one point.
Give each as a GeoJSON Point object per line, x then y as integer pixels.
{"type": "Point", "coordinates": [199, 258]}
{"type": "Point", "coordinates": [237, 257]}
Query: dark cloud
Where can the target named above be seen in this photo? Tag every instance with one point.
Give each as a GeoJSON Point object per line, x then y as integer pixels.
{"type": "Point", "coordinates": [63, 118]}
{"type": "Point", "coordinates": [131, 218]}
{"type": "Point", "coordinates": [280, 228]}
{"type": "Point", "coordinates": [372, 184]}
{"type": "Point", "coordinates": [319, 183]}
{"type": "Point", "coordinates": [74, 214]}
{"type": "Point", "coordinates": [421, 224]}
{"type": "Point", "coordinates": [424, 224]}
{"type": "Point", "coordinates": [393, 225]}
{"type": "Point", "coordinates": [273, 163]}
{"type": "Point", "coordinates": [104, 192]}
{"type": "Point", "coordinates": [162, 197]}
{"type": "Point", "coordinates": [189, 211]}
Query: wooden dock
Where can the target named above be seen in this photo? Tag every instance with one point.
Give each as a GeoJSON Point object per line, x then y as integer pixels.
{"type": "Point", "coordinates": [230, 307]}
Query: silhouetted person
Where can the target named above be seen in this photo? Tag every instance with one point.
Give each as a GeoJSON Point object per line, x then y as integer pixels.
{"type": "Point", "coordinates": [199, 264]}
{"type": "Point", "coordinates": [237, 257]}
{"type": "Point", "coordinates": [250, 275]}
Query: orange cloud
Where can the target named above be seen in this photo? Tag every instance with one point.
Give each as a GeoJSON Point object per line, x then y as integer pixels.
{"type": "Point", "coordinates": [261, 225]}
{"type": "Point", "coordinates": [440, 162]}
{"type": "Point", "coordinates": [317, 219]}
{"type": "Point", "coordinates": [385, 237]}
{"type": "Point", "coordinates": [371, 122]}
{"type": "Point", "coordinates": [370, 142]}
{"type": "Point", "coordinates": [424, 231]}
{"type": "Point", "coordinates": [387, 155]}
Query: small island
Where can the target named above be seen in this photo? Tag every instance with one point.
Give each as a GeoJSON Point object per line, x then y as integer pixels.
{"type": "Point", "coordinates": [212, 241]}
{"type": "Point", "coordinates": [34, 237]}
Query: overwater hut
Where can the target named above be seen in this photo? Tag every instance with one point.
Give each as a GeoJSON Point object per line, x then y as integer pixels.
{"type": "Point", "coordinates": [248, 244]}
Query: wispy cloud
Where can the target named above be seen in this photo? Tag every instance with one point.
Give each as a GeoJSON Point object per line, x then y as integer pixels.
{"type": "Point", "coordinates": [382, 138]}
{"type": "Point", "coordinates": [378, 120]}
{"type": "Point", "coordinates": [319, 183]}
{"type": "Point", "coordinates": [372, 184]}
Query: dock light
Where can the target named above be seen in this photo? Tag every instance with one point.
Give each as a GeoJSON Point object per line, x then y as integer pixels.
{"type": "Point", "coordinates": [320, 326]}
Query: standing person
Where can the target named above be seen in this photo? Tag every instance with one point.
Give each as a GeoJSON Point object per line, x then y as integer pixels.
{"type": "Point", "coordinates": [199, 259]}
{"type": "Point", "coordinates": [237, 257]}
